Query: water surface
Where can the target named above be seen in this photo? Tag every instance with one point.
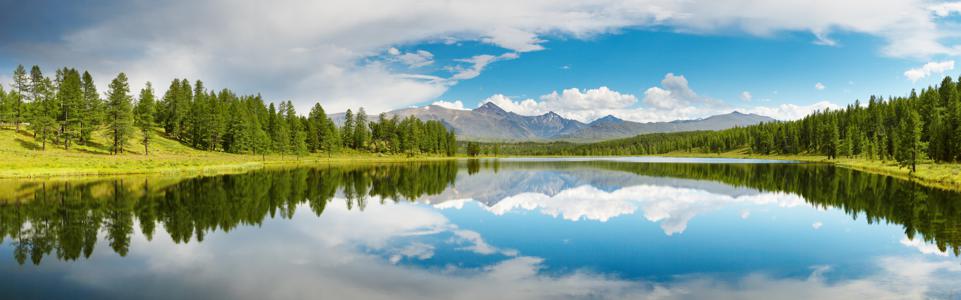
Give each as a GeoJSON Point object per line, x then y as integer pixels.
{"type": "Point", "coordinates": [482, 229]}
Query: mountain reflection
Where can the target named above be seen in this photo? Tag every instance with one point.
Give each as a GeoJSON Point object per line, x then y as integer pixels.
{"type": "Point", "coordinates": [66, 218]}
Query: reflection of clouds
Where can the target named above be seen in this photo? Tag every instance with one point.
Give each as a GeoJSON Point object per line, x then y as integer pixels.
{"type": "Point", "coordinates": [455, 204]}
{"type": "Point", "coordinates": [817, 225]}
{"type": "Point", "coordinates": [413, 250]}
{"type": "Point", "coordinates": [923, 246]}
{"type": "Point", "coordinates": [673, 207]}
{"type": "Point", "coordinates": [304, 258]}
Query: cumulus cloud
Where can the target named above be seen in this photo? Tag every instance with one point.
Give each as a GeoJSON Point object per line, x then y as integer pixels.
{"type": "Point", "coordinates": [819, 86]}
{"type": "Point", "coordinates": [672, 100]}
{"type": "Point", "coordinates": [583, 105]}
{"type": "Point", "coordinates": [673, 93]}
{"type": "Point", "coordinates": [451, 105]}
{"type": "Point", "coordinates": [327, 50]}
{"type": "Point", "coordinates": [928, 69]}
{"type": "Point", "coordinates": [746, 96]}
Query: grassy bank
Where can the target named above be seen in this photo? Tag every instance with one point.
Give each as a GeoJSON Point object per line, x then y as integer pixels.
{"type": "Point", "coordinates": [21, 156]}
{"type": "Point", "coordinates": [946, 176]}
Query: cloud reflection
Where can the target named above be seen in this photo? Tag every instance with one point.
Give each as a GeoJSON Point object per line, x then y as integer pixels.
{"type": "Point", "coordinates": [672, 206]}
{"type": "Point", "coordinates": [329, 257]}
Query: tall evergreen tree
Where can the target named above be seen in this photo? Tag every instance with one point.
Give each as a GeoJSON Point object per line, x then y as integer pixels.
{"type": "Point", "coordinates": [298, 136]}
{"type": "Point", "coordinates": [71, 99]}
{"type": "Point", "coordinates": [119, 113]}
{"type": "Point", "coordinates": [278, 131]}
{"type": "Point", "coordinates": [20, 86]}
{"type": "Point", "coordinates": [43, 112]}
{"type": "Point", "coordinates": [91, 115]}
{"type": "Point", "coordinates": [144, 116]}
{"type": "Point", "coordinates": [347, 132]}
{"type": "Point", "coordinates": [910, 129]}
{"type": "Point", "coordinates": [361, 131]}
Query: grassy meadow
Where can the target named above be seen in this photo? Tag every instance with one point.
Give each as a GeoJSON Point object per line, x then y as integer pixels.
{"type": "Point", "coordinates": [21, 156]}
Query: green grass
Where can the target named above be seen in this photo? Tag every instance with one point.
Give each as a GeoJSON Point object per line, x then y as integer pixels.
{"type": "Point", "coordinates": [21, 156]}
{"type": "Point", "coordinates": [945, 176]}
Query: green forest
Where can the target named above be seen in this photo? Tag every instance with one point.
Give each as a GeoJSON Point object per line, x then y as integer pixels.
{"type": "Point", "coordinates": [921, 126]}
{"type": "Point", "coordinates": [67, 110]}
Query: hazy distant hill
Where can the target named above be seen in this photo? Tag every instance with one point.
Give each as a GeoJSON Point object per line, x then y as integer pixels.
{"type": "Point", "coordinates": [492, 123]}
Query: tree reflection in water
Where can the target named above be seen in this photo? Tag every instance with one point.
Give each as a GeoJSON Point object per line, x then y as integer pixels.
{"type": "Point", "coordinates": [65, 218]}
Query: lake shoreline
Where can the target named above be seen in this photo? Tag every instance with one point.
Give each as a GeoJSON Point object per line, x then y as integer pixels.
{"type": "Point", "coordinates": [945, 176]}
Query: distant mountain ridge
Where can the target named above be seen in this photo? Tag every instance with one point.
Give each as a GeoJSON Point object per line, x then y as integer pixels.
{"type": "Point", "coordinates": [490, 122]}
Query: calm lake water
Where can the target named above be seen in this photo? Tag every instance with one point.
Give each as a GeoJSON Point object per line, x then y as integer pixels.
{"type": "Point", "coordinates": [490, 229]}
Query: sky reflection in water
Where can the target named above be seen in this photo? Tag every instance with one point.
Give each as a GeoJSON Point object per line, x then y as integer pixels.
{"type": "Point", "coordinates": [480, 230]}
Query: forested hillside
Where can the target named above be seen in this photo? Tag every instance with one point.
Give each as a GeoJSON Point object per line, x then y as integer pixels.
{"type": "Point", "coordinates": [67, 110]}
{"type": "Point", "coordinates": [921, 126]}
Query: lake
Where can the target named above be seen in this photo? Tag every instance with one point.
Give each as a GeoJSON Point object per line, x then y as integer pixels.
{"type": "Point", "coordinates": [485, 229]}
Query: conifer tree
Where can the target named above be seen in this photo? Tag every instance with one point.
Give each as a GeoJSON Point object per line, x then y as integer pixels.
{"type": "Point", "coordinates": [347, 132]}
{"type": "Point", "coordinates": [144, 116]}
{"type": "Point", "coordinates": [92, 110]}
{"type": "Point", "coordinates": [43, 110]}
{"type": "Point", "coordinates": [119, 113]}
{"type": "Point", "coordinates": [71, 99]}
{"type": "Point", "coordinates": [20, 86]}
{"type": "Point", "coordinates": [361, 131]}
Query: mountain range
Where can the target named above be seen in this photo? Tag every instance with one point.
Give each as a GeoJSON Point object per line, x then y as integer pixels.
{"type": "Point", "coordinates": [489, 122]}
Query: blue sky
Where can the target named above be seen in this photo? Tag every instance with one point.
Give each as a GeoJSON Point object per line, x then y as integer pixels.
{"type": "Point", "coordinates": [643, 60]}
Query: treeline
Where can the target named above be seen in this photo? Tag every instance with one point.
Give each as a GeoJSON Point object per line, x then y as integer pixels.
{"type": "Point", "coordinates": [68, 110]}
{"type": "Point", "coordinates": [884, 129]}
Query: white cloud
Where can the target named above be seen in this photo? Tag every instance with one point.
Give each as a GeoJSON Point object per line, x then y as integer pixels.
{"type": "Point", "coordinates": [477, 64]}
{"type": "Point", "coordinates": [451, 105]}
{"type": "Point", "coordinates": [746, 96]}
{"type": "Point", "coordinates": [819, 86]}
{"type": "Point", "coordinates": [414, 59]}
{"type": "Point", "coordinates": [786, 112]}
{"type": "Point", "coordinates": [583, 105]}
{"type": "Point", "coordinates": [673, 93]}
{"type": "Point", "coordinates": [817, 225]}
{"type": "Point", "coordinates": [327, 50]}
{"type": "Point", "coordinates": [946, 9]}
{"type": "Point", "coordinates": [928, 69]}
{"type": "Point", "coordinates": [923, 246]}
{"type": "Point", "coordinates": [673, 100]}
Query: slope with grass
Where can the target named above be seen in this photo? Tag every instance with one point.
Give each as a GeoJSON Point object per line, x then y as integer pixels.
{"type": "Point", "coordinates": [22, 156]}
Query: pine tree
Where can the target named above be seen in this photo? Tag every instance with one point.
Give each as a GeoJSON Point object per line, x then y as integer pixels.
{"type": "Point", "coordinates": [20, 85]}
{"type": "Point", "coordinates": [119, 113]}
{"type": "Point", "coordinates": [361, 131]}
{"type": "Point", "coordinates": [240, 131]}
{"type": "Point", "coordinates": [43, 109]}
{"type": "Point", "coordinates": [278, 131]}
{"type": "Point", "coordinates": [71, 99]}
{"type": "Point", "coordinates": [347, 132]}
{"type": "Point", "coordinates": [911, 145]}
{"type": "Point", "coordinates": [144, 116]}
{"type": "Point", "coordinates": [298, 136]}
{"type": "Point", "coordinates": [91, 116]}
